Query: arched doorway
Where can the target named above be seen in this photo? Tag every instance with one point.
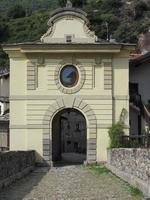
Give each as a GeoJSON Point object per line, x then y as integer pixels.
{"type": "Point", "coordinates": [69, 136]}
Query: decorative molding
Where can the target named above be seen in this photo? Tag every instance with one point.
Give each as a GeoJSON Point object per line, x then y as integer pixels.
{"type": "Point", "coordinates": [49, 33]}
{"type": "Point", "coordinates": [76, 88]}
{"type": "Point", "coordinates": [76, 103]}
{"type": "Point", "coordinates": [41, 60]}
{"type": "Point", "coordinates": [107, 75]}
{"type": "Point", "coordinates": [54, 97]}
{"type": "Point", "coordinates": [19, 126]}
{"type": "Point", "coordinates": [88, 32]}
{"type": "Point", "coordinates": [121, 97]}
{"type": "Point", "coordinates": [40, 126]}
{"type": "Point", "coordinates": [31, 76]}
{"type": "Point", "coordinates": [98, 60]}
{"type": "Point", "coordinates": [69, 14]}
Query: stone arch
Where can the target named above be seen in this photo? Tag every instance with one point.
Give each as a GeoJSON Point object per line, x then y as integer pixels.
{"type": "Point", "coordinates": [76, 103]}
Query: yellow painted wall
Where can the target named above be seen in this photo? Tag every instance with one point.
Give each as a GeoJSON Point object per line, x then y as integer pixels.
{"type": "Point", "coordinates": [102, 144]}
{"type": "Point", "coordinates": [18, 76]}
{"type": "Point", "coordinates": [18, 139]}
{"type": "Point", "coordinates": [28, 107]}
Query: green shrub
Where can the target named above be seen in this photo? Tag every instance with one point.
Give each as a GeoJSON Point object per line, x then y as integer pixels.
{"type": "Point", "coordinates": [114, 132]}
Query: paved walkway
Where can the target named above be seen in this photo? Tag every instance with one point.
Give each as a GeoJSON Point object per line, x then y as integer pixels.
{"type": "Point", "coordinates": [67, 183]}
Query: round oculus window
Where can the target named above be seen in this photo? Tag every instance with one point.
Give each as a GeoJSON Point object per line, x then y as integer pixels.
{"type": "Point", "coordinates": [69, 76]}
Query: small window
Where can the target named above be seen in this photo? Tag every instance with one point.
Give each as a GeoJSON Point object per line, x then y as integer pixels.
{"type": "Point", "coordinates": [69, 76]}
{"type": "Point", "coordinates": [69, 38]}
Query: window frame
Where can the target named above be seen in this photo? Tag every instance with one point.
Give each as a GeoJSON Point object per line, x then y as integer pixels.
{"type": "Point", "coordinates": [77, 76]}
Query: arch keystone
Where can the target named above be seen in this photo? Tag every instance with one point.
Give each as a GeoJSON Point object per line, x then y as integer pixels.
{"type": "Point", "coordinates": [69, 101]}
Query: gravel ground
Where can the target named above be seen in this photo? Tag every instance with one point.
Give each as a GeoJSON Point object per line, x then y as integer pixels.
{"type": "Point", "coordinates": [67, 183]}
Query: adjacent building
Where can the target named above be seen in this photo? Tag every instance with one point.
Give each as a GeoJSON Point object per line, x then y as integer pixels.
{"type": "Point", "coordinates": [140, 94]}
{"type": "Point", "coordinates": [4, 110]}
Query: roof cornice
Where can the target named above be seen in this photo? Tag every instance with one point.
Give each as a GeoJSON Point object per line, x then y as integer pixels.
{"type": "Point", "coordinates": [68, 48]}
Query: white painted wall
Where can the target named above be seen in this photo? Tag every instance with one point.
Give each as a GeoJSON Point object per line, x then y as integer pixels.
{"type": "Point", "coordinates": [1, 108]}
{"type": "Point", "coordinates": [69, 26]}
{"type": "Point", "coordinates": [73, 26]}
{"type": "Point", "coordinates": [141, 75]}
{"type": "Point", "coordinates": [4, 87]}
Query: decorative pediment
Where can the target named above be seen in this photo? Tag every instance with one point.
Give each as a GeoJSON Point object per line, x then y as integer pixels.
{"type": "Point", "coordinates": [69, 25]}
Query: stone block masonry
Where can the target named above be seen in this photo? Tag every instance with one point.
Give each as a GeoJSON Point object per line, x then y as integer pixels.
{"type": "Point", "coordinates": [14, 165]}
{"type": "Point", "coordinates": [132, 165]}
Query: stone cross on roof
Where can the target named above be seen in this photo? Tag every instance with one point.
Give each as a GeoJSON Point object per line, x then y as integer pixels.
{"type": "Point", "coordinates": [68, 4]}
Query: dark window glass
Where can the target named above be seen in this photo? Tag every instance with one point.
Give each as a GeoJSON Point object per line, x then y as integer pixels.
{"type": "Point", "coordinates": [68, 38]}
{"type": "Point", "coordinates": [69, 76]}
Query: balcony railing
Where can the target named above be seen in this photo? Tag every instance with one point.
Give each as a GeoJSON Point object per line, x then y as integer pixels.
{"type": "Point", "coordinates": [134, 141]}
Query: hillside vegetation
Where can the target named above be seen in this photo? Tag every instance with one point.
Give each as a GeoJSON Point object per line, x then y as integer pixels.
{"type": "Point", "coordinates": [26, 20]}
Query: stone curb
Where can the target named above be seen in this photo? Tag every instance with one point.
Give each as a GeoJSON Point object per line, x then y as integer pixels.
{"type": "Point", "coordinates": [6, 182]}
{"type": "Point", "coordinates": [132, 180]}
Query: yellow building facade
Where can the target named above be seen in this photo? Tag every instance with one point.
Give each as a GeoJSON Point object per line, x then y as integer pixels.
{"type": "Point", "coordinates": [67, 69]}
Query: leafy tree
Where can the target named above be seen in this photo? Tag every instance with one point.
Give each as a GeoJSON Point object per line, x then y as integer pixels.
{"type": "Point", "coordinates": [28, 5]}
{"type": "Point", "coordinates": [62, 3]}
{"type": "Point", "coordinates": [140, 8]}
{"type": "Point", "coordinates": [110, 6]}
{"type": "Point", "coordinates": [3, 32]}
{"type": "Point", "coordinates": [76, 3]}
{"type": "Point", "coordinates": [4, 61]}
{"type": "Point", "coordinates": [79, 3]}
{"type": "Point", "coordinates": [126, 32]}
{"type": "Point", "coordinates": [16, 11]}
{"type": "Point", "coordinates": [28, 28]}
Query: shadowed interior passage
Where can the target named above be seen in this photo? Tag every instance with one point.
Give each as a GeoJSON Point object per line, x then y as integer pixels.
{"type": "Point", "coordinates": [69, 136]}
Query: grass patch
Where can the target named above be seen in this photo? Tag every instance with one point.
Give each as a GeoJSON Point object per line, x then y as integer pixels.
{"type": "Point", "coordinates": [98, 169]}
{"type": "Point", "coordinates": [102, 170]}
{"type": "Point", "coordinates": [135, 192]}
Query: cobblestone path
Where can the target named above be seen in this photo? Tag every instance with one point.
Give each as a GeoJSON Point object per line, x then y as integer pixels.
{"type": "Point", "coordinates": [67, 183]}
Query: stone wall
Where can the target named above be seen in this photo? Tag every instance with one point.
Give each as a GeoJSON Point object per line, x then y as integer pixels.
{"type": "Point", "coordinates": [14, 165]}
{"type": "Point", "coordinates": [133, 165]}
